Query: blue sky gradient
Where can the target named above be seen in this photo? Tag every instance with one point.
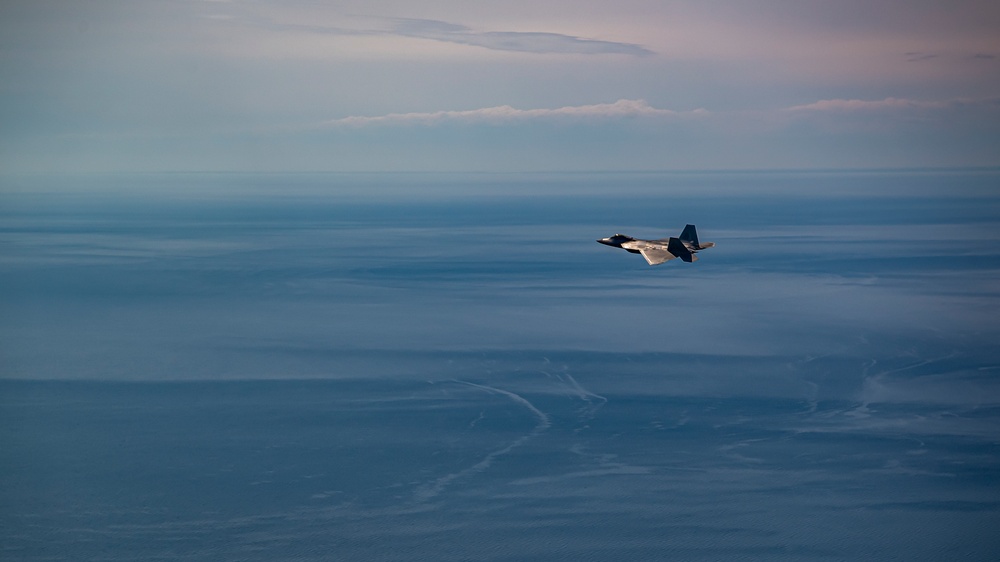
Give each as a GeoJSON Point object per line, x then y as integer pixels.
{"type": "Point", "coordinates": [389, 86]}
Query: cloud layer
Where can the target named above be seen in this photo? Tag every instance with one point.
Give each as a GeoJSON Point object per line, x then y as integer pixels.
{"type": "Point", "coordinates": [626, 108]}
{"type": "Point", "coordinates": [538, 42]}
{"type": "Point", "coordinates": [892, 104]}
{"type": "Point", "coordinates": [505, 113]}
{"type": "Point", "coordinates": [519, 41]}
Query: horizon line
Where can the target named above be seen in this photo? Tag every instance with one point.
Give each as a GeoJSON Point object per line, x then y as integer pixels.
{"type": "Point", "coordinates": [979, 168]}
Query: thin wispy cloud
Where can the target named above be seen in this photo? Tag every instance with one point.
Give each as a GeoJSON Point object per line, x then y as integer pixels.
{"type": "Point", "coordinates": [263, 23]}
{"type": "Point", "coordinates": [519, 41]}
{"type": "Point", "coordinates": [851, 105]}
{"type": "Point", "coordinates": [538, 42]}
{"type": "Point", "coordinates": [621, 109]}
{"type": "Point", "coordinates": [864, 105]}
{"type": "Point", "coordinates": [626, 108]}
{"type": "Point", "coordinates": [918, 56]}
{"type": "Point", "coordinates": [915, 56]}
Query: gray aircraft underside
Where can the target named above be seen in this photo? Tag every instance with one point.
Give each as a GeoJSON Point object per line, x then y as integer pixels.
{"type": "Point", "coordinates": [665, 249]}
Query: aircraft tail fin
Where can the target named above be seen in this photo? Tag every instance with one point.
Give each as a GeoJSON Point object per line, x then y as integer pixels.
{"type": "Point", "coordinates": [690, 235]}
{"type": "Point", "coordinates": [676, 247]}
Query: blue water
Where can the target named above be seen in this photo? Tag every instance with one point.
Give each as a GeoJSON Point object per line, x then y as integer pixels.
{"type": "Point", "coordinates": [448, 367]}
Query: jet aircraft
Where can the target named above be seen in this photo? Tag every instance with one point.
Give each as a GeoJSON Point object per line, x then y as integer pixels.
{"type": "Point", "coordinates": [665, 249]}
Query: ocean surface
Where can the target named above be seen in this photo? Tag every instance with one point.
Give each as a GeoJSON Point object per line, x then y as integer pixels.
{"type": "Point", "coordinates": [449, 367]}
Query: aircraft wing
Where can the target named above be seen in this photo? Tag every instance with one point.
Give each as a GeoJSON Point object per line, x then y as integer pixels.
{"type": "Point", "coordinates": [656, 256]}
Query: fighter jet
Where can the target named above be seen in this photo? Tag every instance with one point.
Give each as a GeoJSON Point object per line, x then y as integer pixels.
{"type": "Point", "coordinates": [664, 249]}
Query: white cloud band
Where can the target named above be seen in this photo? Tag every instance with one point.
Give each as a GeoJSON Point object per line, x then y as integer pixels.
{"type": "Point", "coordinates": [845, 105]}
{"type": "Point", "coordinates": [505, 113]}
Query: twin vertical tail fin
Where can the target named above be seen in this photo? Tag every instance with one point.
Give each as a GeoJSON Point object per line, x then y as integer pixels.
{"type": "Point", "coordinates": [676, 247]}
{"type": "Point", "coordinates": [690, 235]}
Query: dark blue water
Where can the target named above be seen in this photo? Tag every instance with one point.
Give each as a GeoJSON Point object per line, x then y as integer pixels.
{"type": "Point", "coordinates": [448, 367]}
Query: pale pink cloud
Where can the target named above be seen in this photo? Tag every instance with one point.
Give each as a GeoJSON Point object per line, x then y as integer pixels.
{"type": "Point", "coordinates": [845, 105]}
{"type": "Point", "coordinates": [620, 109]}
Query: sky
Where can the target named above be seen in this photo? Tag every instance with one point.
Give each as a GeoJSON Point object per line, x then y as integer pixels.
{"type": "Point", "coordinates": [523, 85]}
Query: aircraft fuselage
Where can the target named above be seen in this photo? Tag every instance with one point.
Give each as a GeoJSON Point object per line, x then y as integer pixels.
{"type": "Point", "coordinates": [665, 249]}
